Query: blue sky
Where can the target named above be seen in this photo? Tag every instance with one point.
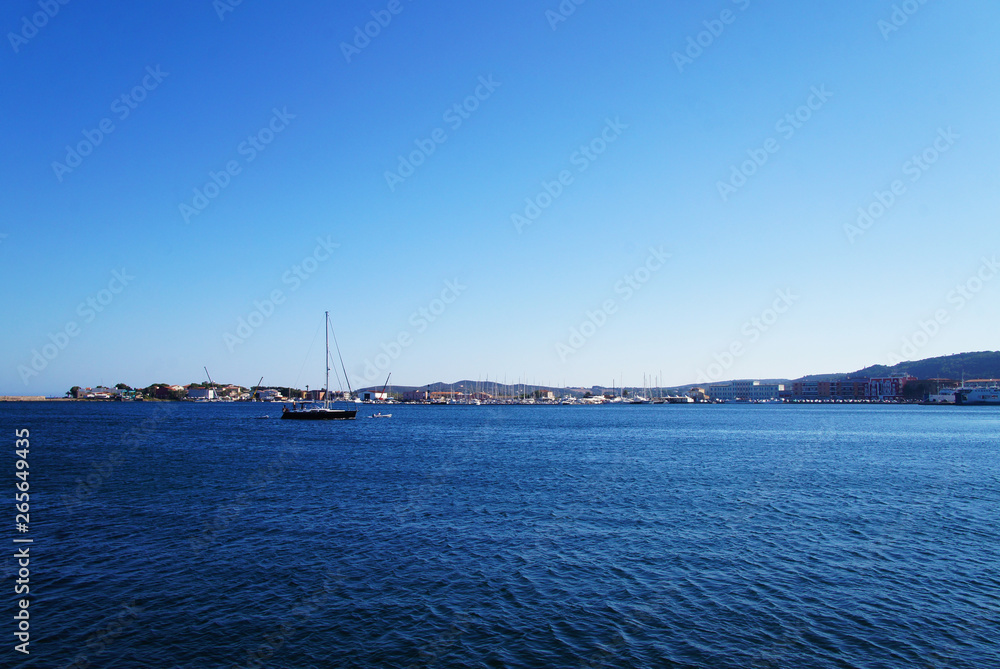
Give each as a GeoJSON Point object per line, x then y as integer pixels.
{"type": "Point", "coordinates": [574, 292]}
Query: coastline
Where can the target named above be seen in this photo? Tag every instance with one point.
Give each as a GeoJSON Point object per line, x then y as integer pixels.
{"type": "Point", "coordinates": [28, 398]}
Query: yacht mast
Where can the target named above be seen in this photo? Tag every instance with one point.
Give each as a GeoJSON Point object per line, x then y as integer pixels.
{"type": "Point", "coordinates": [350, 391]}
{"type": "Point", "coordinates": [326, 326]}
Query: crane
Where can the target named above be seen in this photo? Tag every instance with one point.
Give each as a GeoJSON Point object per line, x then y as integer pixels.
{"type": "Point", "coordinates": [211, 384]}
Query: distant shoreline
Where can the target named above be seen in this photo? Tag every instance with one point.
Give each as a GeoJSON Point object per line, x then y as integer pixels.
{"type": "Point", "coordinates": [39, 398]}
{"type": "Point", "coordinates": [31, 398]}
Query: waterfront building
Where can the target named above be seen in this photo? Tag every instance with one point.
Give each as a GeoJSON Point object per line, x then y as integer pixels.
{"type": "Point", "coordinates": [372, 396]}
{"type": "Point", "coordinates": [195, 393]}
{"type": "Point", "coordinates": [231, 391]}
{"type": "Point", "coordinates": [269, 395]}
{"type": "Point", "coordinates": [745, 390]}
{"type": "Point", "coordinates": [848, 389]}
{"type": "Point", "coordinates": [168, 392]}
{"type": "Point", "coordinates": [416, 396]}
{"type": "Point", "coordinates": [888, 388]}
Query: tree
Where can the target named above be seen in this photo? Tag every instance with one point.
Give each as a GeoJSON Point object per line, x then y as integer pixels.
{"type": "Point", "coordinates": [73, 392]}
{"type": "Point", "coordinates": [122, 386]}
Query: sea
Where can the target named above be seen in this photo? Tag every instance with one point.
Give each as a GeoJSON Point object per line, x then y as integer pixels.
{"type": "Point", "coordinates": [216, 535]}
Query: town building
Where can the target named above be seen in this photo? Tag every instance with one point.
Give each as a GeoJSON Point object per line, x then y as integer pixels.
{"type": "Point", "coordinates": [269, 395]}
{"type": "Point", "coordinates": [847, 389]}
{"type": "Point", "coordinates": [372, 395]}
{"type": "Point", "coordinates": [231, 391]}
{"type": "Point", "coordinates": [888, 388]}
{"type": "Point", "coordinates": [168, 392]}
{"type": "Point", "coordinates": [745, 390]}
{"type": "Point", "coordinates": [416, 396]}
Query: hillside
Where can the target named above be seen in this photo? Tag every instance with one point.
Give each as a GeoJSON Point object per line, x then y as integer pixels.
{"type": "Point", "coordinates": [978, 365]}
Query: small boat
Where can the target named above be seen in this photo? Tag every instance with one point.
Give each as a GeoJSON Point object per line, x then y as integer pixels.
{"type": "Point", "coordinates": [381, 415]}
{"type": "Point", "coordinates": [325, 410]}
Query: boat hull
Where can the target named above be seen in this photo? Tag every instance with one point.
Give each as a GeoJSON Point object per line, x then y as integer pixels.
{"type": "Point", "coordinates": [989, 397]}
{"type": "Point", "coordinates": [320, 414]}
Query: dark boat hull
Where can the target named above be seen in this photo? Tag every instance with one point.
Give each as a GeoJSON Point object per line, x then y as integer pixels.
{"type": "Point", "coordinates": [320, 414]}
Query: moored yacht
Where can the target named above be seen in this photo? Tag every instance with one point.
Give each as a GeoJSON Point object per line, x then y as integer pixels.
{"type": "Point", "coordinates": [325, 410]}
{"type": "Point", "coordinates": [943, 396]}
{"type": "Point", "coordinates": [978, 396]}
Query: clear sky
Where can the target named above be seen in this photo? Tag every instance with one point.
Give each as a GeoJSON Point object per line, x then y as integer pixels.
{"type": "Point", "coordinates": [621, 190]}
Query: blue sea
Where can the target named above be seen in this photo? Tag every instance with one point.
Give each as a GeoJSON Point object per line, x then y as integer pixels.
{"type": "Point", "coordinates": [215, 535]}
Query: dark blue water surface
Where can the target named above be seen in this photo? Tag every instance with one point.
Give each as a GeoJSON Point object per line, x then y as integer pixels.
{"type": "Point", "coordinates": [201, 535]}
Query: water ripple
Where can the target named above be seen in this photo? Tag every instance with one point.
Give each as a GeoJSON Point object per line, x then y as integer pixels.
{"type": "Point", "coordinates": [523, 537]}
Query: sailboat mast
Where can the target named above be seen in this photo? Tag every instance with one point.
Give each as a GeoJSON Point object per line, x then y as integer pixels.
{"type": "Point", "coordinates": [326, 326]}
{"type": "Point", "coordinates": [350, 390]}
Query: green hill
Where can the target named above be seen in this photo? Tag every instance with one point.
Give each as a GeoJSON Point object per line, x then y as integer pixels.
{"type": "Point", "coordinates": [979, 365]}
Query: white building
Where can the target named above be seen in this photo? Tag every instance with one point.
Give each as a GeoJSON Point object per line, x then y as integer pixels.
{"type": "Point", "coordinates": [202, 393]}
{"type": "Point", "coordinates": [269, 395]}
{"type": "Point", "coordinates": [372, 396]}
{"type": "Point", "coordinates": [745, 390]}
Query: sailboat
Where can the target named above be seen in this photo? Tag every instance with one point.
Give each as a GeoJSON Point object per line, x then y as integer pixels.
{"type": "Point", "coordinates": [325, 410]}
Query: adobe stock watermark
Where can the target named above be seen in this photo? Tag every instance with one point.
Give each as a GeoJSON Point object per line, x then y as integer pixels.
{"type": "Point", "coordinates": [445, 642]}
{"type": "Point", "coordinates": [226, 513]}
{"type": "Point", "coordinates": [419, 320]}
{"type": "Point", "coordinates": [297, 616]}
{"type": "Point", "coordinates": [454, 116]}
{"type": "Point", "coordinates": [381, 19]}
{"type": "Point", "coordinates": [293, 277]}
{"type": "Point", "coordinates": [87, 311]}
{"type": "Point", "coordinates": [914, 168]}
{"type": "Point", "coordinates": [958, 298]}
{"type": "Point", "coordinates": [751, 332]}
{"type": "Point", "coordinates": [98, 641]}
{"type": "Point", "coordinates": [122, 107]}
{"type": "Point", "coordinates": [901, 14]}
{"type": "Point", "coordinates": [786, 126]}
{"type": "Point", "coordinates": [130, 442]}
{"type": "Point", "coordinates": [581, 159]}
{"type": "Point", "coordinates": [223, 7]}
{"type": "Point", "coordinates": [250, 148]}
{"type": "Point", "coordinates": [561, 14]}
{"type": "Point", "coordinates": [626, 287]}
{"type": "Point", "coordinates": [31, 25]}
{"type": "Point", "coordinates": [696, 44]}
